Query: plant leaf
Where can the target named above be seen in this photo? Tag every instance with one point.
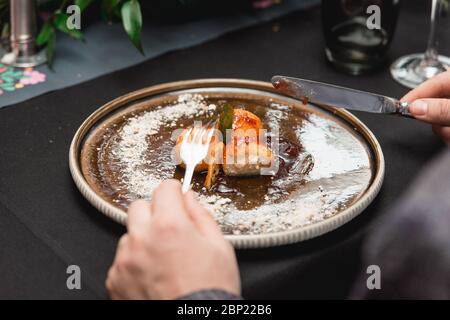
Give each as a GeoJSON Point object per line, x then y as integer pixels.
{"type": "Point", "coordinates": [51, 48]}
{"type": "Point", "coordinates": [7, 79]}
{"type": "Point", "coordinates": [8, 72]}
{"type": "Point", "coordinates": [44, 34]}
{"type": "Point", "coordinates": [226, 120]}
{"type": "Point", "coordinates": [7, 86]}
{"type": "Point", "coordinates": [17, 74]}
{"type": "Point", "coordinates": [60, 22]}
{"type": "Point", "coordinates": [3, 4]}
{"type": "Point", "coordinates": [110, 9]}
{"type": "Point", "coordinates": [83, 4]}
{"type": "Point", "coordinates": [132, 22]}
{"type": "Point", "coordinates": [5, 30]}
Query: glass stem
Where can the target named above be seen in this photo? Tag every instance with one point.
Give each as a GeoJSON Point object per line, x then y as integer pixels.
{"type": "Point", "coordinates": [431, 55]}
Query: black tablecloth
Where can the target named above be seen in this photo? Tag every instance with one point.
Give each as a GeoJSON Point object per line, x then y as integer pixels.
{"type": "Point", "coordinates": [46, 225]}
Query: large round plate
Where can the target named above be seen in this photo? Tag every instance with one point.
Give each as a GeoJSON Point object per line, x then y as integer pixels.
{"type": "Point", "coordinates": [239, 88]}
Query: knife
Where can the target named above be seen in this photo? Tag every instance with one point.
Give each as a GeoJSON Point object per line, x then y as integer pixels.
{"type": "Point", "coordinates": [339, 97]}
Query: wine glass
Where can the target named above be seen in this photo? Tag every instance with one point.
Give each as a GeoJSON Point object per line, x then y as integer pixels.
{"type": "Point", "coordinates": [411, 70]}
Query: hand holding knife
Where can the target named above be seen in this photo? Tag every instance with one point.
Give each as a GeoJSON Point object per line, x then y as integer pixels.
{"type": "Point", "coordinates": [339, 97]}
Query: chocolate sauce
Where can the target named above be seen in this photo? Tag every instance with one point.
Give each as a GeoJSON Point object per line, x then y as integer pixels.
{"type": "Point", "coordinates": [323, 167]}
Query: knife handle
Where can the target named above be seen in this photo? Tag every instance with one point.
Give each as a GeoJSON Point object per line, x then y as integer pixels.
{"type": "Point", "coordinates": [402, 108]}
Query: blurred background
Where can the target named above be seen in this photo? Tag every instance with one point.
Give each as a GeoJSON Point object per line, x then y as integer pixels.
{"type": "Point", "coordinates": [125, 45]}
{"type": "Point", "coordinates": [96, 37]}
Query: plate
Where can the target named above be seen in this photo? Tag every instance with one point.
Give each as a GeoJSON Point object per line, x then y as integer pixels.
{"type": "Point", "coordinates": [330, 171]}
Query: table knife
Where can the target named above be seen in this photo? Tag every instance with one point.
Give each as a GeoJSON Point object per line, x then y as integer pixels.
{"type": "Point", "coordinates": [339, 97]}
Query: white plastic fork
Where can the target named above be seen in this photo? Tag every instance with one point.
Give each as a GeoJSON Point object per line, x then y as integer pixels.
{"type": "Point", "coordinates": [193, 151]}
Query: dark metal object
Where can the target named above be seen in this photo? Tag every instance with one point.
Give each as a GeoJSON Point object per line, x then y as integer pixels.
{"type": "Point", "coordinates": [340, 97]}
{"type": "Point", "coordinates": [23, 36]}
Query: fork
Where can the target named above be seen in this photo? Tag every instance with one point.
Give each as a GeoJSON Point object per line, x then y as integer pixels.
{"type": "Point", "coordinates": [193, 150]}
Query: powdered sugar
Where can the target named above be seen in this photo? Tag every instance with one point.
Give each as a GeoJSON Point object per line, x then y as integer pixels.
{"type": "Point", "coordinates": [133, 145]}
{"type": "Point", "coordinates": [142, 156]}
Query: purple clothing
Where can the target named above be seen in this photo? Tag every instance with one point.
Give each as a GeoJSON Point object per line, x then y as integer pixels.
{"type": "Point", "coordinates": [410, 243]}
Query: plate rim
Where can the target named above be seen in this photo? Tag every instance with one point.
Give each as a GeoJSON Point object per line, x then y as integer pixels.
{"type": "Point", "coordinates": [238, 241]}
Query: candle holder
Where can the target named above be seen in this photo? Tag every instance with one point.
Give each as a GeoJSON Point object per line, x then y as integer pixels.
{"type": "Point", "coordinates": [23, 52]}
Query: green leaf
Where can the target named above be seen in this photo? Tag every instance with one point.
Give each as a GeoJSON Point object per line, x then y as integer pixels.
{"type": "Point", "coordinates": [3, 4]}
{"type": "Point", "coordinates": [83, 4]}
{"type": "Point", "coordinates": [110, 9]}
{"type": "Point", "coordinates": [12, 73]}
{"type": "Point", "coordinates": [226, 120]}
{"type": "Point", "coordinates": [17, 74]}
{"type": "Point", "coordinates": [9, 72]}
{"type": "Point", "coordinates": [60, 22]}
{"type": "Point", "coordinates": [132, 22]}
{"type": "Point", "coordinates": [45, 34]}
{"type": "Point", "coordinates": [5, 31]}
{"type": "Point", "coordinates": [51, 48]}
{"type": "Point", "coordinates": [7, 79]}
{"type": "Point", "coordinates": [7, 87]}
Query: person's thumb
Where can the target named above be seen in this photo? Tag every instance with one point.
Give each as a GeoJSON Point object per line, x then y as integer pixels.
{"type": "Point", "coordinates": [436, 111]}
{"type": "Point", "coordinates": [201, 216]}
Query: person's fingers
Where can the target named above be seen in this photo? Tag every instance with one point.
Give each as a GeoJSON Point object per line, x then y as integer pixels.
{"type": "Point", "coordinates": [436, 87]}
{"type": "Point", "coordinates": [442, 132]}
{"type": "Point", "coordinates": [112, 282]}
{"type": "Point", "coordinates": [168, 201]}
{"type": "Point", "coordinates": [114, 285]}
{"type": "Point", "coordinates": [201, 217]}
{"type": "Point", "coordinates": [109, 283]}
{"type": "Point", "coordinates": [139, 217]}
{"type": "Point", "coordinates": [123, 242]}
{"type": "Point", "coordinates": [122, 253]}
{"type": "Point", "coordinates": [435, 111]}
{"type": "Point", "coordinates": [121, 247]}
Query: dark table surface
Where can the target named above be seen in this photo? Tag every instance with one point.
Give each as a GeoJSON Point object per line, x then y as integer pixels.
{"type": "Point", "coordinates": [46, 225]}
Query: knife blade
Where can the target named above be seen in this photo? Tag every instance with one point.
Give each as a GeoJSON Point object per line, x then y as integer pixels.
{"type": "Point", "coordinates": [340, 97]}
